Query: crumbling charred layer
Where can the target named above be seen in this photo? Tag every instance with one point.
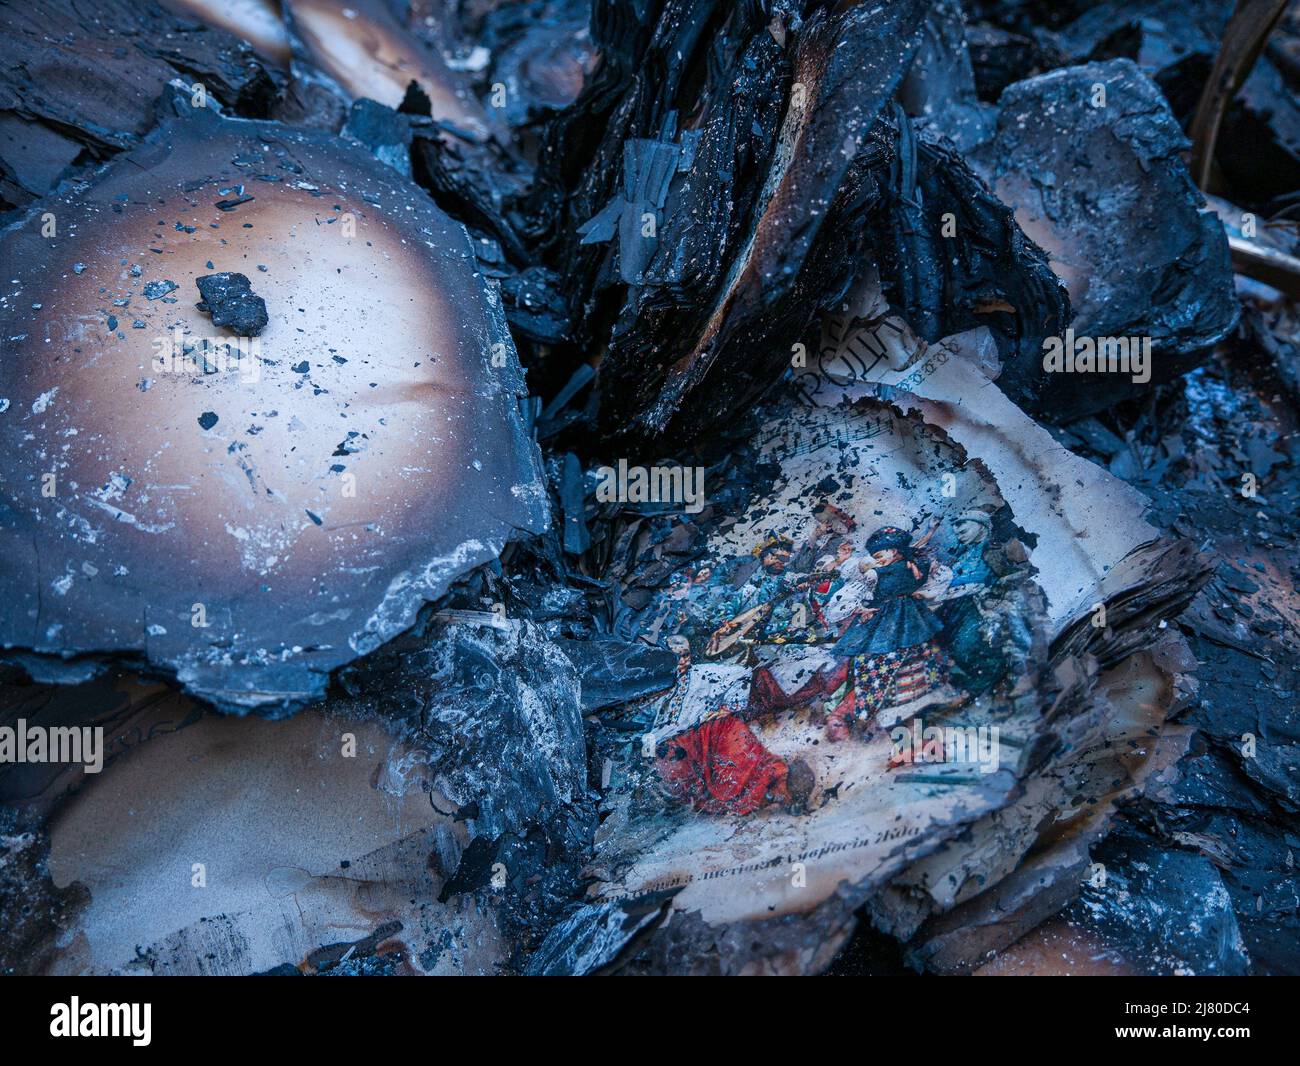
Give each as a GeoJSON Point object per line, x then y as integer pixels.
{"type": "Point", "coordinates": [725, 238]}
{"type": "Point", "coordinates": [77, 88]}
{"type": "Point", "coordinates": [1229, 818]}
{"type": "Point", "coordinates": [376, 314]}
{"type": "Point", "coordinates": [1106, 192]}
{"type": "Point", "coordinates": [793, 134]}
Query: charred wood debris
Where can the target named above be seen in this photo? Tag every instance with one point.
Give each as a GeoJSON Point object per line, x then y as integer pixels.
{"type": "Point", "coordinates": [501, 255]}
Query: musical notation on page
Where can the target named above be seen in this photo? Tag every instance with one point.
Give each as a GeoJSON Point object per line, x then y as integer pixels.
{"type": "Point", "coordinates": [830, 429]}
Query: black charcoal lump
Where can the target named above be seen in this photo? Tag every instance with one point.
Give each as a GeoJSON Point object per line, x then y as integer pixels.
{"type": "Point", "coordinates": [231, 301]}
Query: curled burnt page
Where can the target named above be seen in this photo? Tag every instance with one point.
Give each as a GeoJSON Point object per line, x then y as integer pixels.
{"type": "Point", "coordinates": [872, 661]}
{"type": "Point", "coordinates": [261, 405]}
{"type": "Point", "coordinates": [649, 487]}
{"type": "Point", "coordinates": [850, 598]}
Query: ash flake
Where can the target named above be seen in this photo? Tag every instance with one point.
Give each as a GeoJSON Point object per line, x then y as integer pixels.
{"type": "Point", "coordinates": [43, 401]}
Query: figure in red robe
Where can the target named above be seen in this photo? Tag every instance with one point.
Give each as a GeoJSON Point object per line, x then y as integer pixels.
{"type": "Point", "coordinates": [720, 767]}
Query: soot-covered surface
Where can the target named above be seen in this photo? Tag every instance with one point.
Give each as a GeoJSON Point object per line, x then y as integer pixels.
{"type": "Point", "coordinates": [513, 399]}
{"type": "Point", "coordinates": [251, 488]}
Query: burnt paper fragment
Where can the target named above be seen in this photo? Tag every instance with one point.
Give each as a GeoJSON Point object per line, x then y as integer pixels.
{"type": "Point", "coordinates": [331, 864]}
{"type": "Point", "coordinates": [364, 50]}
{"type": "Point", "coordinates": [423, 820]}
{"type": "Point", "coordinates": [79, 86]}
{"type": "Point", "coordinates": [976, 896]}
{"type": "Point", "coordinates": [286, 501]}
{"type": "Point", "coordinates": [767, 777]}
{"type": "Point", "coordinates": [1089, 157]}
{"type": "Point", "coordinates": [834, 637]}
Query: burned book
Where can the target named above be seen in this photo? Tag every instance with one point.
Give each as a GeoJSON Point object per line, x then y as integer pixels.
{"type": "Point", "coordinates": [880, 655]}
{"type": "Point", "coordinates": [252, 490]}
{"type": "Point", "coordinates": [648, 488]}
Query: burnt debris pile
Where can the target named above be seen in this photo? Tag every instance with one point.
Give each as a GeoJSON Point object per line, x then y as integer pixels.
{"type": "Point", "coordinates": [649, 487]}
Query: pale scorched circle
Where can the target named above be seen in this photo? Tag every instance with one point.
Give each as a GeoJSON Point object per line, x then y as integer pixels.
{"type": "Point", "coordinates": [259, 514]}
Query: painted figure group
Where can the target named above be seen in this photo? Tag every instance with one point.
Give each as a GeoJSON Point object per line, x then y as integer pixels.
{"type": "Point", "coordinates": [886, 627]}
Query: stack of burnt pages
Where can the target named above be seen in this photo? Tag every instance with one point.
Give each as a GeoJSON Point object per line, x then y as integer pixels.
{"type": "Point", "coordinates": [570, 489]}
{"type": "Point", "coordinates": [917, 669]}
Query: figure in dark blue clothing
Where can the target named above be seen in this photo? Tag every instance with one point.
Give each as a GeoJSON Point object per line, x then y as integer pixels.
{"type": "Point", "coordinates": [893, 657]}
{"type": "Point", "coordinates": [978, 665]}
